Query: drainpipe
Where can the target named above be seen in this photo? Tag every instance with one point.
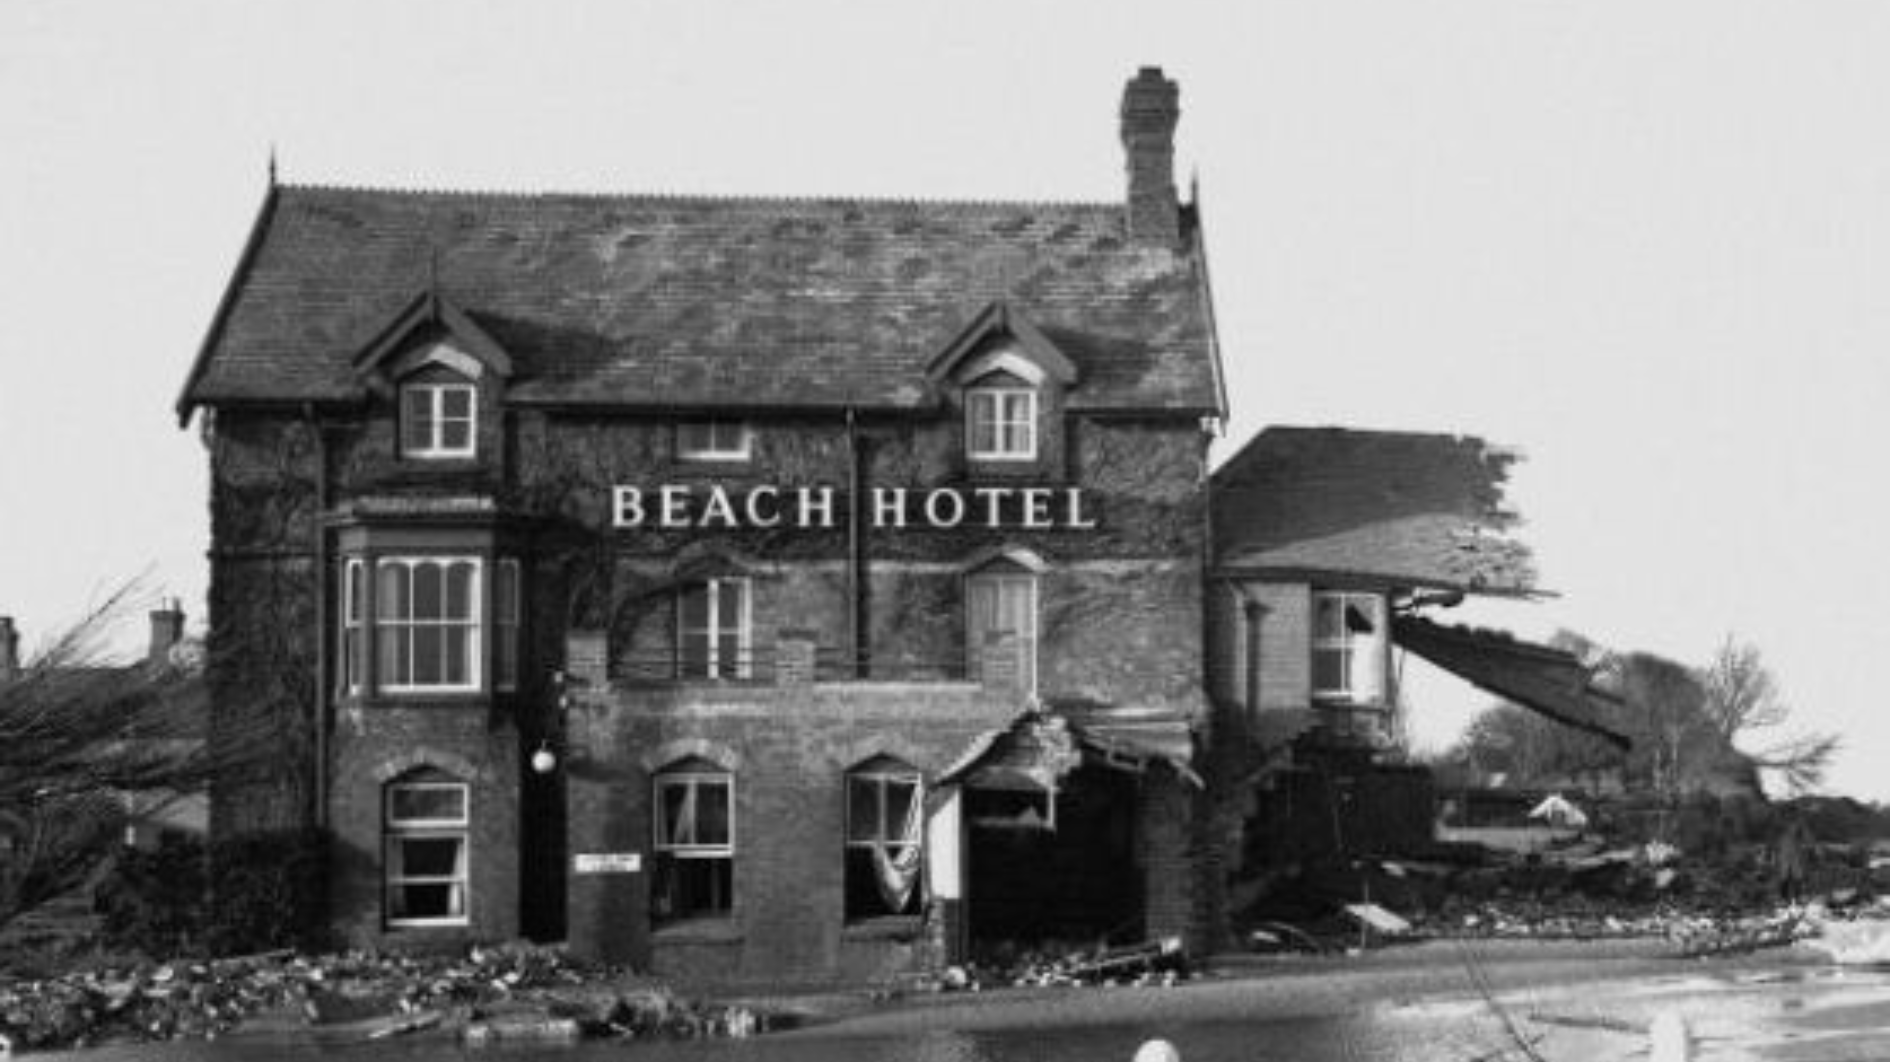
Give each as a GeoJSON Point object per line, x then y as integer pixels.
{"type": "Point", "coordinates": [856, 552]}
{"type": "Point", "coordinates": [320, 713]}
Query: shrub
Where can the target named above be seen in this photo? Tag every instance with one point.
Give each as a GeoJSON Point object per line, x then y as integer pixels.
{"type": "Point", "coordinates": [257, 892]}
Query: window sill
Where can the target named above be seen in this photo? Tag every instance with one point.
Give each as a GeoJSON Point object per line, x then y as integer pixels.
{"type": "Point", "coordinates": [699, 931]}
{"type": "Point", "coordinates": [890, 927]}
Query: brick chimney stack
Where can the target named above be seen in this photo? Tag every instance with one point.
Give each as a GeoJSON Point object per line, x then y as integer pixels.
{"type": "Point", "coordinates": [9, 650]}
{"type": "Point", "coordinates": [167, 629]}
{"type": "Point", "coordinates": [1151, 107]}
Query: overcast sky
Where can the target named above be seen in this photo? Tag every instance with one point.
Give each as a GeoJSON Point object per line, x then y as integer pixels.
{"type": "Point", "coordinates": [1642, 242]}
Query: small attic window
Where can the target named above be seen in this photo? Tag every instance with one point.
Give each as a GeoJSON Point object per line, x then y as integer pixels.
{"type": "Point", "coordinates": [1001, 422]}
{"type": "Point", "coordinates": [436, 420]}
{"type": "Point", "coordinates": [713, 439]}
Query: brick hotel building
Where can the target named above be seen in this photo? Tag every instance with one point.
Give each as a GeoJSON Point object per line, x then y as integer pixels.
{"type": "Point", "coordinates": [737, 588]}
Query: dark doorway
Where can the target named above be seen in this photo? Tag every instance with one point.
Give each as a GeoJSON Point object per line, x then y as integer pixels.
{"type": "Point", "coordinates": [1079, 884]}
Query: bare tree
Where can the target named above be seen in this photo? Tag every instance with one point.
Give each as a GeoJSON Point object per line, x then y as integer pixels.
{"type": "Point", "coordinates": [1741, 697]}
{"type": "Point", "coordinates": [80, 734]}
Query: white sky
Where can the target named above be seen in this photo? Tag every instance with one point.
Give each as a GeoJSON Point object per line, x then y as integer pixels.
{"type": "Point", "coordinates": [1644, 242]}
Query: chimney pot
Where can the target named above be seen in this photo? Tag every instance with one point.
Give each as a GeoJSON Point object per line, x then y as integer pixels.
{"type": "Point", "coordinates": [9, 649]}
{"type": "Point", "coordinates": [1151, 108]}
{"type": "Point", "coordinates": [167, 629]}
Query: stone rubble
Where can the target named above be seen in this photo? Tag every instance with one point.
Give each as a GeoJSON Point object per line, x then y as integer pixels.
{"type": "Point", "coordinates": [488, 993]}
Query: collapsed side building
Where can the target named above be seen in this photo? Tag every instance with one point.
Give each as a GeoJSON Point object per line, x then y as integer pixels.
{"type": "Point", "coordinates": [1334, 550]}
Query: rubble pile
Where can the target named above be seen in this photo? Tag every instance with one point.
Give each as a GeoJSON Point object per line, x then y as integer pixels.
{"type": "Point", "coordinates": [1155, 963]}
{"type": "Point", "coordinates": [1726, 901]}
{"type": "Point", "coordinates": [365, 995]}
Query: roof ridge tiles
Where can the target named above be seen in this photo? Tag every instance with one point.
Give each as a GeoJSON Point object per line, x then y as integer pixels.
{"type": "Point", "coordinates": [729, 199]}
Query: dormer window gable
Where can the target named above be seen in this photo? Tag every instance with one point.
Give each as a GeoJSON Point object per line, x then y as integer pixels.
{"type": "Point", "coordinates": [1000, 339]}
{"type": "Point", "coordinates": [441, 369]}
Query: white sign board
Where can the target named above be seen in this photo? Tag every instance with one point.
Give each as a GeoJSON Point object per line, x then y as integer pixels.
{"type": "Point", "coordinates": [609, 862]}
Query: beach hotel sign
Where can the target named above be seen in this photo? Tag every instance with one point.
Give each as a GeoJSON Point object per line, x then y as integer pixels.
{"type": "Point", "coordinates": [684, 507]}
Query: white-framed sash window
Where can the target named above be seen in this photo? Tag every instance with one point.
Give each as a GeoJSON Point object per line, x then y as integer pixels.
{"type": "Point", "coordinates": [712, 629]}
{"type": "Point", "coordinates": [426, 858]}
{"type": "Point", "coordinates": [438, 420]}
{"type": "Point", "coordinates": [1001, 423]}
{"type": "Point", "coordinates": [884, 840]}
{"type": "Point", "coordinates": [693, 841]}
{"type": "Point", "coordinates": [427, 624]}
{"type": "Point", "coordinates": [714, 439]}
{"type": "Point", "coordinates": [1349, 647]}
{"type": "Point", "coordinates": [1002, 603]}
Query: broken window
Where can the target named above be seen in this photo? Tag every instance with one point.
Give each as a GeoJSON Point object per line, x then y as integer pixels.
{"type": "Point", "coordinates": [885, 824]}
{"type": "Point", "coordinates": [694, 842]}
{"type": "Point", "coordinates": [1348, 647]}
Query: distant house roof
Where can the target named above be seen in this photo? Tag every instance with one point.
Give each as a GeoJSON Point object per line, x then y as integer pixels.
{"type": "Point", "coordinates": [1401, 508]}
{"type": "Point", "coordinates": [655, 301]}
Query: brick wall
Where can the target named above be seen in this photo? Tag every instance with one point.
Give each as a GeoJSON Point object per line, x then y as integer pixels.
{"type": "Point", "coordinates": [379, 744]}
{"type": "Point", "coordinates": [789, 750]}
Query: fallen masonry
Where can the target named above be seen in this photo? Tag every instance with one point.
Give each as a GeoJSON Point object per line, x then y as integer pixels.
{"type": "Point", "coordinates": [507, 993]}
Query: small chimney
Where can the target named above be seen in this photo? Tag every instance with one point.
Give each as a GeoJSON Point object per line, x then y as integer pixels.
{"type": "Point", "coordinates": [167, 629]}
{"type": "Point", "coordinates": [1151, 106]}
{"type": "Point", "coordinates": [9, 650]}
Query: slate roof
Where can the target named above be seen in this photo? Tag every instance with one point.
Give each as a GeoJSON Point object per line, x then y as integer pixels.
{"type": "Point", "coordinates": [1404, 508]}
{"type": "Point", "coordinates": [687, 301]}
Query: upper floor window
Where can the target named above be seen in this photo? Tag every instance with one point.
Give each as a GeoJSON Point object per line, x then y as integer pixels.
{"type": "Point", "coordinates": [427, 618]}
{"type": "Point", "coordinates": [425, 860]}
{"type": "Point", "coordinates": [1348, 647]}
{"type": "Point", "coordinates": [1001, 423]}
{"type": "Point", "coordinates": [693, 842]}
{"type": "Point", "coordinates": [712, 629]}
{"type": "Point", "coordinates": [999, 604]}
{"type": "Point", "coordinates": [885, 825]}
{"type": "Point", "coordinates": [436, 420]}
{"type": "Point", "coordinates": [713, 440]}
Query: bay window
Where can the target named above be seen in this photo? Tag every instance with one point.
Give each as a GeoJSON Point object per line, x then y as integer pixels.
{"type": "Point", "coordinates": [428, 624]}
{"type": "Point", "coordinates": [427, 618]}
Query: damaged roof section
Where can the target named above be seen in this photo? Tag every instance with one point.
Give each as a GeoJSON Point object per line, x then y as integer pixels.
{"type": "Point", "coordinates": [1402, 508]}
{"type": "Point", "coordinates": [1549, 681]}
{"type": "Point", "coordinates": [1040, 747]}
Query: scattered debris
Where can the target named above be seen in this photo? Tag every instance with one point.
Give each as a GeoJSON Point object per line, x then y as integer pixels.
{"type": "Point", "coordinates": [493, 993]}
{"type": "Point", "coordinates": [1155, 963]}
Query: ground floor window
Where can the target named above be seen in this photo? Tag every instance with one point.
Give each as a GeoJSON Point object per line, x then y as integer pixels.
{"type": "Point", "coordinates": [884, 831]}
{"type": "Point", "coordinates": [694, 849]}
{"type": "Point", "coordinates": [427, 815]}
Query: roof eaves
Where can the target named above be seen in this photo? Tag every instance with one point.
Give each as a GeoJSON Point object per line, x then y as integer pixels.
{"type": "Point", "coordinates": [239, 276]}
{"type": "Point", "coordinates": [1206, 290]}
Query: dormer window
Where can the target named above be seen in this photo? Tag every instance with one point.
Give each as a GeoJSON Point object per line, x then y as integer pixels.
{"type": "Point", "coordinates": [1001, 423]}
{"type": "Point", "coordinates": [436, 420]}
{"type": "Point", "coordinates": [713, 440]}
